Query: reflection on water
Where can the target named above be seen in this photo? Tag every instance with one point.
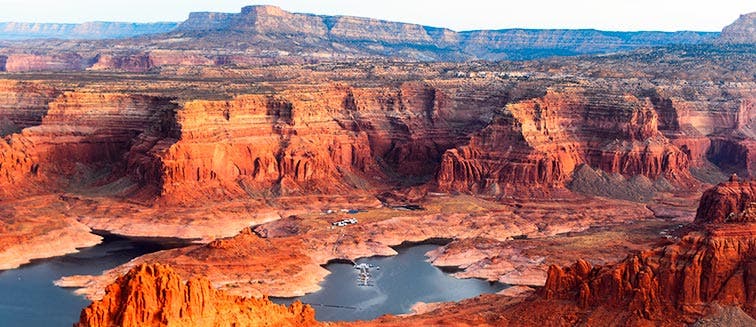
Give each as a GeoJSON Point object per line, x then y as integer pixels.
{"type": "Point", "coordinates": [401, 281]}
{"type": "Point", "coordinates": [29, 298]}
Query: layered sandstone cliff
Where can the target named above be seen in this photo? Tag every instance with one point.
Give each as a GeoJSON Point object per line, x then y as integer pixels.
{"type": "Point", "coordinates": [542, 142]}
{"type": "Point", "coordinates": [81, 139]}
{"type": "Point", "coordinates": [333, 140]}
{"type": "Point", "coordinates": [673, 283]}
{"type": "Point", "coordinates": [485, 136]}
{"type": "Point", "coordinates": [154, 295]}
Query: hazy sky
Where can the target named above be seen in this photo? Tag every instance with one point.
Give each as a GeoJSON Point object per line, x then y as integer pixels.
{"type": "Point", "coordinates": [700, 15]}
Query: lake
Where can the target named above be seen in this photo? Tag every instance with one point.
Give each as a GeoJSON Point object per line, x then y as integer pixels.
{"type": "Point", "coordinates": [396, 283]}
{"type": "Point", "coordinates": [29, 298]}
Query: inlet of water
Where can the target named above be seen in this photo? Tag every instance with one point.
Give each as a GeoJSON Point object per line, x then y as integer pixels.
{"type": "Point", "coordinates": [401, 281]}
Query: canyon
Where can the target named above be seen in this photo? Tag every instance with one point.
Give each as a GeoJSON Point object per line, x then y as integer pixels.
{"type": "Point", "coordinates": [585, 183]}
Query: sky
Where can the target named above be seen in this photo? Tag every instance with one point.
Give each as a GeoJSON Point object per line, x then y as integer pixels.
{"type": "Point", "coordinates": [634, 15]}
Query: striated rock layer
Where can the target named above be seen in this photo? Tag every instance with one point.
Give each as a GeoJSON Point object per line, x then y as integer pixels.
{"type": "Point", "coordinates": [542, 141]}
{"type": "Point", "coordinates": [330, 140]}
{"type": "Point", "coordinates": [673, 283]}
{"type": "Point", "coordinates": [154, 295]}
{"type": "Point", "coordinates": [729, 202]}
{"type": "Point", "coordinates": [80, 140]}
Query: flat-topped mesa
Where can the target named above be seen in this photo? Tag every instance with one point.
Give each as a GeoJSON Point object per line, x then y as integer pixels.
{"type": "Point", "coordinates": [155, 295]}
{"type": "Point", "coordinates": [358, 28]}
{"type": "Point", "coordinates": [256, 19]}
{"type": "Point", "coordinates": [540, 142]}
{"type": "Point", "coordinates": [733, 201]}
{"type": "Point", "coordinates": [26, 62]}
{"type": "Point", "coordinates": [329, 139]}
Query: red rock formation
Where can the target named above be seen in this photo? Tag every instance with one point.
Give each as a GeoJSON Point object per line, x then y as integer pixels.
{"type": "Point", "coordinates": [80, 133]}
{"type": "Point", "coordinates": [729, 202]}
{"type": "Point", "coordinates": [542, 141]}
{"type": "Point", "coordinates": [335, 140]}
{"type": "Point", "coordinates": [154, 295]}
{"type": "Point", "coordinates": [23, 104]}
{"type": "Point", "coordinates": [673, 283]}
{"type": "Point", "coordinates": [53, 62]}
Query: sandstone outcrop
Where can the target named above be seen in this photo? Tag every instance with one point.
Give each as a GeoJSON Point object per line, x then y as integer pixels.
{"type": "Point", "coordinates": [743, 30]}
{"type": "Point", "coordinates": [730, 202]}
{"type": "Point", "coordinates": [673, 283]}
{"type": "Point", "coordinates": [541, 142]}
{"type": "Point", "coordinates": [154, 295]}
{"type": "Point", "coordinates": [78, 134]}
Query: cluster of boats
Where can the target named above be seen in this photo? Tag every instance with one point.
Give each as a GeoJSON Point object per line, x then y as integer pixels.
{"type": "Point", "coordinates": [365, 278]}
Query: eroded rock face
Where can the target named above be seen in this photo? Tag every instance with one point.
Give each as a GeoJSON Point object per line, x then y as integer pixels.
{"type": "Point", "coordinates": [729, 202]}
{"type": "Point", "coordinates": [78, 134]}
{"type": "Point", "coordinates": [742, 30]}
{"type": "Point", "coordinates": [154, 295]}
{"type": "Point", "coordinates": [542, 141]}
{"type": "Point", "coordinates": [335, 140]}
{"type": "Point", "coordinates": [676, 282]}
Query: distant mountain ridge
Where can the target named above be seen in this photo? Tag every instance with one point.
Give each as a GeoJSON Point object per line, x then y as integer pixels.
{"type": "Point", "coordinates": [88, 30]}
{"type": "Point", "coordinates": [481, 44]}
{"type": "Point", "coordinates": [259, 35]}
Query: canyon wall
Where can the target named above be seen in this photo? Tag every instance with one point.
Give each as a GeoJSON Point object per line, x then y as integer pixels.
{"type": "Point", "coordinates": [541, 142]}
{"type": "Point", "coordinates": [23, 104]}
{"type": "Point", "coordinates": [483, 136]}
{"type": "Point", "coordinates": [154, 295]}
{"type": "Point", "coordinates": [332, 139]}
{"type": "Point", "coordinates": [672, 283]}
{"type": "Point", "coordinates": [620, 132]}
{"type": "Point", "coordinates": [80, 139]}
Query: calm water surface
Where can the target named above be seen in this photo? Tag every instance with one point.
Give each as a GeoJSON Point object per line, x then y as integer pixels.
{"type": "Point", "coordinates": [402, 281]}
{"type": "Point", "coordinates": [28, 297]}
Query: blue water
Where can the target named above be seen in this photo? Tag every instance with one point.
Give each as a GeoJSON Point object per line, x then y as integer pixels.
{"type": "Point", "coordinates": [402, 281]}
{"type": "Point", "coordinates": [29, 298]}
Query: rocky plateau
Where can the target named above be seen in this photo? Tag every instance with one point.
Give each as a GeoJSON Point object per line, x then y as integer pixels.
{"type": "Point", "coordinates": [583, 182]}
